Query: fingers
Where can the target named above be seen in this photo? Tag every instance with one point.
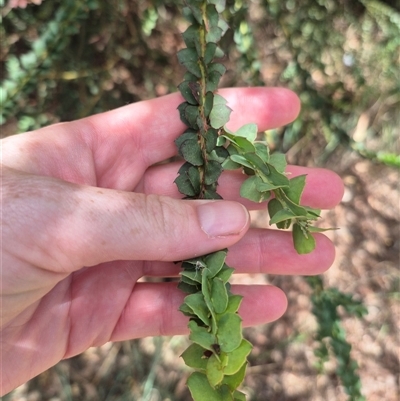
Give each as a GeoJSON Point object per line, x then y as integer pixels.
{"type": "Point", "coordinates": [88, 225]}
{"type": "Point", "coordinates": [272, 251]}
{"type": "Point", "coordinates": [152, 309]}
{"type": "Point", "coordinates": [151, 126]}
{"type": "Point", "coordinates": [112, 149]}
{"type": "Point", "coordinates": [324, 188]}
{"type": "Point", "coordinates": [266, 252]}
{"type": "Point", "coordinates": [267, 107]}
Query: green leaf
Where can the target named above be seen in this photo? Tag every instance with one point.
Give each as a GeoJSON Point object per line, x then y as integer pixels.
{"type": "Point", "coordinates": [219, 53]}
{"type": "Point", "coordinates": [261, 168]}
{"type": "Point", "coordinates": [219, 295]}
{"type": "Point", "coordinates": [192, 275]}
{"type": "Point", "coordinates": [194, 68]}
{"type": "Point", "coordinates": [182, 114]}
{"type": "Point", "coordinates": [263, 186]}
{"type": "Point", "coordinates": [184, 185]}
{"type": "Point", "coordinates": [213, 170]}
{"type": "Point", "coordinates": [189, 281]}
{"type": "Point", "coordinates": [201, 390]}
{"type": "Point", "coordinates": [188, 134]}
{"type": "Point", "coordinates": [282, 215]}
{"type": "Point", "coordinates": [187, 288]}
{"type": "Point", "coordinates": [39, 46]}
{"type": "Point", "coordinates": [298, 210]}
{"type": "Point", "coordinates": [194, 178]}
{"type": "Point", "coordinates": [229, 331]}
{"type": "Point", "coordinates": [212, 15]}
{"type": "Point", "coordinates": [303, 241]}
{"type": "Point", "coordinates": [188, 56]}
{"type": "Point", "coordinates": [201, 336]}
{"type": "Point", "coordinates": [274, 207]}
{"type": "Point", "coordinates": [278, 160]}
{"type": "Point", "coordinates": [210, 193]}
{"type": "Point", "coordinates": [208, 103]}
{"type": "Point", "coordinates": [313, 214]}
{"type": "Point", "coordinates": [13, 67]}
{"type": "Point", "coordinates": [209, 52]}
{"type": "Point", "coordinates": [248, 131]}
{"type": "Point", "coordinates": [190, 77]}
{"type": "Point", "coordinates": [205, 289]}
{"type": "Point", "coordinates": [211, 137]}
{"type": "Point", "coordinates": [225, 273]}
{"type": "Point", "coordinates": [249, 190]}
{"type": "Point", "coordinates": [191, 36]}
{"type": "Point", "coordinates": [191, 152]}
{"type": "Point", "coordinates": [215, 261]}
{"type": "Point", "coordinates": [214, 371]}
{"type": "Point", "coordinates": [216, 67]}
{"type": "Point", "coordinates": [223, 25]}
{"type": "Point", "coordinates": [194, 357]}
{"type": "Point", "coordinates": [192, 114]}
{"type": "Point", "coordinates": [262, 151]}
{"type": "Point", "coordinates": [187, 93]}
{"type": "Point", "coordinates": [239, 396]}
{"type": "Point", "coordinates": [28, 60]}
{"type": "Point", "coordinates": [241, 144]}
{"type": "Point", "coordinates": [195, 10]}
{"type": "Point", "coordinates": [186, 310]}
{"type": "Point", "coordinates": [275, 177]}
{"type": "Point", "coordinates": [219, 154]}
{"type": "Point", "coordinates": [198, 306]}
{"type": "Point", "coordinates": [213, 79]}
{"type": "Point", "coordinates": [239, 159]}
{"type": "Point", "coordinates": [238, 357]}
{"type": "Point", "coordinates": [228, 164]}
{"type": "Point", "coordinates": [200, 122]}
{"type": "Point", "coordinates": [220, 112]}
{"type": "Point", "coordinates": [296, 187]}
{"type": "Point", "coordinates": [219, 5]}
{"type": "Point", "coordinates": [234, 302]}
{"type": "Point", "coordinates": [214, 34]}
{"type": "Point", "coordinates": [234, 381]}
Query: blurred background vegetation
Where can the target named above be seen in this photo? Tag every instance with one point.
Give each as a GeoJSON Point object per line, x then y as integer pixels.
{"type": "Point", "coordinates": [63, 60]}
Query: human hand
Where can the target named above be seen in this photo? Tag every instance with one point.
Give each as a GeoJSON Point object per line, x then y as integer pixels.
{"type": "Point", "coordinates": [87, 213]}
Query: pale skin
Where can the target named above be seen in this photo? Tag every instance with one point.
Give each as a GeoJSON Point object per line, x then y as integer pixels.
{"type": "Point", "coordinates": [86, 214]}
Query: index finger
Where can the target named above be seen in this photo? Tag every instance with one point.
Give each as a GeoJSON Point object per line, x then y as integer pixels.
{"type": "Point", "coordinates": [153, 125]}
{"type": "Point", "coordinates": [114, 148]}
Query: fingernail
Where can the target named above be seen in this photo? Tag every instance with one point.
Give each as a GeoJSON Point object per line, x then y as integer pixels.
{"type": "Point", "coordinates": [222, 218]}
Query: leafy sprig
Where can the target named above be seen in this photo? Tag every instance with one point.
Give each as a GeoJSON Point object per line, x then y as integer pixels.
{"type": "Point", "coordinates": [326, 303]}
{"type": "Point", "coordinates": [219, 351]}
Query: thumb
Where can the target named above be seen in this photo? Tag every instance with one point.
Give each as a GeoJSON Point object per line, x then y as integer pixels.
{"type": "Point", "coordinates": [67, 226]}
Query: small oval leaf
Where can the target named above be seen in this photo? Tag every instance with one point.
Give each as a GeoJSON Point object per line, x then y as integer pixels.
{"type": "Point", "coordinates": [229, 332]}
{"type": "Point", "coordinates": [219, 295]}
{"type": "Point", "coordinates": [303, 241]}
